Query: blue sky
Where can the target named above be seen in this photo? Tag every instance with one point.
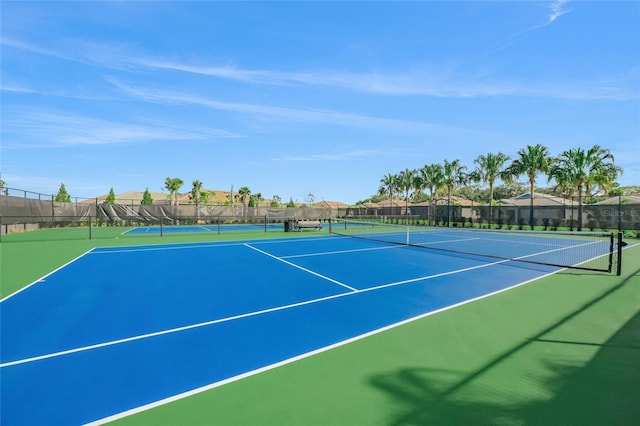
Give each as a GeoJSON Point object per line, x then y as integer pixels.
{"type": "Point", "coordinates": [298, 98]}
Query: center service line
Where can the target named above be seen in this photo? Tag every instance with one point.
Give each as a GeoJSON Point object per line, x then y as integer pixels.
{"type": "Point", "coordinates": [300, 267]}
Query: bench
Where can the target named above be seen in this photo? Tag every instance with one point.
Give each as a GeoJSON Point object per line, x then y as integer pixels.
{"type": "Point", "coordinates": [299, 225]}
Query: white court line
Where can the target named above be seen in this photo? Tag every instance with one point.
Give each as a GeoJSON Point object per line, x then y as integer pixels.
{"type": "Point", "coordinates": [189, 246]}
{"type": "Point", "coordinates": [300, 267]}
{"type": "Point", "coordinates": [240, 316]}
{"type": "Point", "coordinates": [264, 311]}
{"type": "Point", "coordinates": [214, 385]}
{"type": "Point", "coordinates": [42, 279]}
{"type": "Point", "coordinates": [183, 246]}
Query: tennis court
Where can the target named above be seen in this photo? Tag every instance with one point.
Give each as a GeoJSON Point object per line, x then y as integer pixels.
{"type": "Point", "coordinates": [121, 328]}
{"type": "Point", "coordinates": [216, 228]}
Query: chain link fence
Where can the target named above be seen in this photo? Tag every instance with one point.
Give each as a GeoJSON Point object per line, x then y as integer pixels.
{"type": "Point", "coordinates": [23, 210]}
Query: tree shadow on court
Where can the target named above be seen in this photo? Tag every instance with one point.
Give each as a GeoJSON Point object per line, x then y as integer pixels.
{"type": "Point", "coordinates": [605, 390]}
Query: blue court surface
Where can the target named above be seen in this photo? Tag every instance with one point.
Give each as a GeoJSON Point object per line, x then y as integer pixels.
{"type": "Point", "coordinates": [120, 328]}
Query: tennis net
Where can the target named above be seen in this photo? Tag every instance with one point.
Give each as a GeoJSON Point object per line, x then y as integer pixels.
{"type": "Point", "coordinates": [594, 251]}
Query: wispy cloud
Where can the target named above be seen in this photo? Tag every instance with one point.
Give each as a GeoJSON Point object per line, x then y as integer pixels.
{"type": "Point", "coordinates": [24, 90]}
{"type": "Point", "coordinates": [423, 81]}
{"type": "Point", "coordinates": [556, 10]}
{"type": "Point", "coordinates": [311, 116]}
{"type": "Point", "coordinates": [48, 129]}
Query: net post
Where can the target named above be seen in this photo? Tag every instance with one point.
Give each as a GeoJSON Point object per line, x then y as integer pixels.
{"type": "Point", "coordinates": [265, 223]}
{"type": "Point", "coordinates": [90, 227]}
{"type": "Point", "coordinates": [161, 227]}
{"type": "Point", "coordinates": [619, 266]}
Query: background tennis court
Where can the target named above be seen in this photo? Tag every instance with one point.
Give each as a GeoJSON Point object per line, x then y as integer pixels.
{"type": "Point", "coordinates": [187, 316]}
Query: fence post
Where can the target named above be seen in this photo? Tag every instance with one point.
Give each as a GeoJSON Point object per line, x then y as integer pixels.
{"type": "Point", "coordinates": [619, 270]}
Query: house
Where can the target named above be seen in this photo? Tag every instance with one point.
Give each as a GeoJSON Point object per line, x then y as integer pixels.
{"type": "Point", "coordinates": [622, 200]}
{"type": "Point", "coordinates": [539, 199]}
{"type": "Point", "coordinates": [334, 205]}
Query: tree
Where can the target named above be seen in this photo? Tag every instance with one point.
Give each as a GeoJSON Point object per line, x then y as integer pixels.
{"type": "Point", "coordinates": [432, 176]}
{"type": "Point", "coordinates": [453, 175]}
{"type": "Point", "coordinates": [196, 192]}
{"type": "Point", "coordinates": [405, 183]}
{"type": "Point", "coordinates": [531, 161]}
{"type": "Point", "coordinates": [276, 201]}
{"type": "Point", "coordinates": [204, 196]}
{"type": "Point", "coordinates": [3, 188]}
{"type": "Point", "coordinates": [310, 198]}
{"type": "Point", "coordinates": [389, 186]}
{"type": "Point", "coordinates": [256, 199]}
{"type": "Point", "coordinates": [291, 203]}
{"type": "Point", "coordinates": [616, 190]}
{"type": "Point", "coordinates": [244, 194]}
{"type": "Point", "coordinates": [63, 196]}
{"type": "Point", "coordinates": [490, 168]}
{"type": "Point", "coordinates": [111, 197]}
{"type": "Point", "coordinates": [508, 190]}
{"type": "Point", "coordinates": [173, 185]}
{"type": "Point", "coordinates": [582, 171]}
{"type": "Point", "coordinates": [146, 198]}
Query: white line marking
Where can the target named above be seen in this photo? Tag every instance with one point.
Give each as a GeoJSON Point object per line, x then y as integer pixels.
{"type": "Point", "coordinates": [42, 279]}
{"type": "Point", "coordinates": [137, 249]}
{"type": "Point", "coordinates": [240, 316]}
{"type": "Point", "coordinates": [279, 308]}
{"type": "Point", "coordinates": [180, 246]}
{"type": "Point", "coordinates": [279, 259]}
{"type": "Point", "coordinates": [169, 331]}
{"type": "Point", "coordinates": [214, 385]}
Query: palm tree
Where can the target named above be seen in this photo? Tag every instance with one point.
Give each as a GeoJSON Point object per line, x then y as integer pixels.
{"type": "Point", "coordinates": [388, 185]}
{"type": "Point", "coordinates": [432, 176]}
{"type": "Point", "coordinates": [256, 199]}
{"type": "Point", "coordinates": [405, 184]}
{"type": "Point", "coordinates": [196, 192]}
{"type": "Point", "coordinates": [244, 194]}
{"type": "Point", "coordinates": [489, 168]}
{"type": "Point", "coordinates": [453, 175]}
{"type": "Point", "coordinates": [195, 195]}
{"type": "Point", "coordinates": [563, 184]}
{"type": "Point", "coordinates": [173, 186]}
{"type": "Point", "coordinates": [582, 170]}
{"type": "Point", "coordinates": [531, 161]}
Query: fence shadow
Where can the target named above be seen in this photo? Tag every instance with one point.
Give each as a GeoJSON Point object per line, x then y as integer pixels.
{"type": "Point", "coordinates": [604, 391]}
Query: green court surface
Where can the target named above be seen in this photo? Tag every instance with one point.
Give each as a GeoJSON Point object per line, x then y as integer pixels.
{"type": "Point", "coordinates": [564, 349]}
